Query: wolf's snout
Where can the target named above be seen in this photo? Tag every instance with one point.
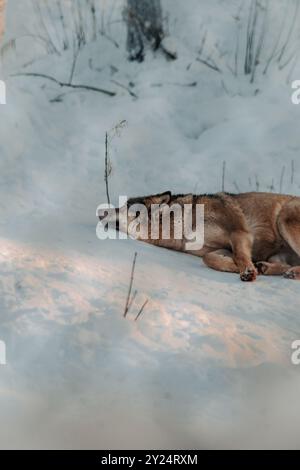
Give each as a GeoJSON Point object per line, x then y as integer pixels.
{"type": "Point", "coordinates": [109, 215]}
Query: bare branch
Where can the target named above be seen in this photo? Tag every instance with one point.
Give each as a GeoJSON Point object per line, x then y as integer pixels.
{"type": "Point", "coordinates": [107, 168]}
{"type": "Point", "coordinates": [211, 66]}
{"type": "Point", "coordinates": [141, 309]}
{"type": "Point", "coordinates": [65, 84]}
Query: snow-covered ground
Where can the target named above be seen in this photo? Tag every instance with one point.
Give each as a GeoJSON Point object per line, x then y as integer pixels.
{"type": "Point", "coordinates": [208, 363]}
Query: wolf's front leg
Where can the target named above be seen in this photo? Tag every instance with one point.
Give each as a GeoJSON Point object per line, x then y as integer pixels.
{"type": "Point", "coordinates": [241, 243]}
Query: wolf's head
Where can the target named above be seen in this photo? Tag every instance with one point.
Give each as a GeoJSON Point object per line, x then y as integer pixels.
{"type": "Point", "coordinates": [121, 217]}
{"type": "Point", "coordinates": [162, 219]}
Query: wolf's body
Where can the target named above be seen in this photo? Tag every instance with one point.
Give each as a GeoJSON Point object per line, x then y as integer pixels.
{"type": "Point", "coordinates": [246, 233]}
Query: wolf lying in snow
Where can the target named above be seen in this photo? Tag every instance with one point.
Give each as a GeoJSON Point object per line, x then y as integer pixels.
{"type": "Point", "coordinates": [249, 233]}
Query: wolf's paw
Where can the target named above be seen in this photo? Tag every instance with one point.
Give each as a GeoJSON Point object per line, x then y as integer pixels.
{"type": "Point", "coordinates": [293, 273]}
{"type": "Point", "coordinates": [262, 267]}
{"type": "Point", "coordinates": [248, 275]}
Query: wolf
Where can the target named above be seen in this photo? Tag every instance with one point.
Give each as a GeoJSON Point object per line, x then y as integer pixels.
{"type": "Point", "coordinates": [248, 233]}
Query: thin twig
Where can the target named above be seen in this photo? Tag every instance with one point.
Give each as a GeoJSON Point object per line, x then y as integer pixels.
{"type": "Point", "coordinates": [272, 186]}
{"type": "Point", "coordinates": [261, 42]}
{"type": "Point", "coordinates": [223, 176]}
{"type": "Point", "coordinates": [281, 179]}
{"type": "Point", "coordinates": [38, 10]}
{"type": "Point", "coordinates": [291, 29]}
{"type": "Point", "coordinates": [106, 173]}
{"type": "Point", "coordinates": [191, 84]}
{"type": "Point", "coordinates": [130, 286]}
{"type": "Point", "coordinates": [289, 75]}
{"type": "Point", "coordinates": [112, 40]}
{"type": "Point", "coordinates": [277, 42]}
{"type": "Point", "coordinates": [63, 24]}
{"type": "Point", "coordinates": [211, 66]}
{"type": "Point", "coordinates": [141, 309]}
{"type": "Point", "coordinates": [236, 55]}
{"type": "Point", "coordinates": [76, 52]}
{"type": "Point", "coordinates": [65, 84]}
{"type": "Point", "coordinates": [185, 85]}
{"type": "Point", "coordinates": [58, 98]}
{"type": "Point", "coordinates": [125, 88]}
{"type": "Point", "coordinates": [257, 183]}
{"type": "Point", "coordinates": [203, 41]}
{"type": "Point", "coordinates": [292, 171]}
{"type": "Point", "coordinates": [236, 187]}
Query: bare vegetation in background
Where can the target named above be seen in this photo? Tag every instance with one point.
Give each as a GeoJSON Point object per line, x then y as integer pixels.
{"type": "Point", "coordinates": [115, 131]}
{"type": "Point", "coordinates": [108, 168]}
{"type": "Point", "coordinates": [141, 310]}
{"type": "Point", "coordinates": [67, 25]}
{"type": "Point", "coordinates": [63, 25]}
{"type": "Point", "coordinates": [128, 299]}
{"type": "Point", "coordinates": [259, 42]}
{"type": "Point", "coordinates": [131, 297]}
{"type": "Point", "coordinates": [256, 184]}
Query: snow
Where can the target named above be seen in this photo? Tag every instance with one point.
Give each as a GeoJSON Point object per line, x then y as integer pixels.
{"type": "Point", "coordinates": [208, 362]}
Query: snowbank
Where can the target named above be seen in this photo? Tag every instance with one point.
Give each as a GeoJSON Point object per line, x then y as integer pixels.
{"type": "Point", "coordinates": [208, 363]}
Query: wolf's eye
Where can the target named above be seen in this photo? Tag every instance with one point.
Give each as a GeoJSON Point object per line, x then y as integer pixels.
{"type": "Point", "coordinates": [103, 215]}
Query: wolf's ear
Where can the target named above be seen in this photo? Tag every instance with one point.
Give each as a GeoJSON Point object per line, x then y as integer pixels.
{"type": "Point", "coordinates": [163, 198]}
{"type": "Point", "coordinates": [187, 199]}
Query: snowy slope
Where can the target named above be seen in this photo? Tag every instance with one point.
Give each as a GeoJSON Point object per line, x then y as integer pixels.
{"type": "Point", "coordinates": [208, 363]}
